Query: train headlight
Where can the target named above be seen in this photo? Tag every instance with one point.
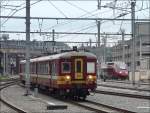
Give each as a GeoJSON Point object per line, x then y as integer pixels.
{"type": "Point", "coordinates": [120, 72]}
{"type": "Point", "coordinates": [68, 77]}
{"type": "Point", "coordinates": [90, 77]}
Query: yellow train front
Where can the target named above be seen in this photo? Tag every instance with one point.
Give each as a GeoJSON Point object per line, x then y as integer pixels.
{"type": "Point", "coordinates": [69, 74]}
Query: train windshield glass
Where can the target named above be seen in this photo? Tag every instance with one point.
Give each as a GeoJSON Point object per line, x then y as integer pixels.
{"type": "Point", "coordinates": [66, 67]}
{"type": "Point", "coordinates": [122, 66]}
{"type": "Point", "coordinates": [90, 67]}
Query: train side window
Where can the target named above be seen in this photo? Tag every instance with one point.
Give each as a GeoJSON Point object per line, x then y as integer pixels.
{"type": "Point", "coordinates": [66, 67]}
{"type": "Point", "coordinates": [43, 68]}
{"type": "Point", "coordinates": [90, 67]}
{"type": "Point", "coordinates": [50, 68]}
{"type": "Point", "coordinates": [22, 68]}
{"type": "Point", "coordinates": [53, 69]}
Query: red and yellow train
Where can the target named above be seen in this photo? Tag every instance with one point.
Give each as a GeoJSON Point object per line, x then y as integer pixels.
{"type": "Point", "coordinates": [70, 74]}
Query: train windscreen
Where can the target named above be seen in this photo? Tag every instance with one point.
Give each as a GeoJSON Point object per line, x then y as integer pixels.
{"type": "Point", "coordinates": [66, 67]}
{"type": "Point", "coordinates": [122, 66]}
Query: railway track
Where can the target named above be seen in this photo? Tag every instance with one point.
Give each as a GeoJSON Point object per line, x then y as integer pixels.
{"type": "Point", "coordinates": [98, 107]}
{"type": "Point", "coordinates": [123, 94]}
{"type": "Point", "coordinates": [127, 82]}
{"type": "Point", "coordinates": [9, 79]}
{"type": "Point", "coordinates": [90, 105]}
{"type": "Point", "coordinates": [120, 87]}
{"type": "Point", "coordinates": [4, 85]}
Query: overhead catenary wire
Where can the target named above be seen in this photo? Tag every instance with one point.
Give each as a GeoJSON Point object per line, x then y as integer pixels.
{"type": "Point", "coordinates": [81, 0]}
{"type": "Point", "coordinates": [123, 17]}
{"type": "Point", "coordinates": [106, 21]}
{"type": "Point", "coordinates": [46, 32]}
{"type": "Point", "coordinates": [19, 10]}
{"type": "Point", "coordinates": [57, 9]}
{"type": "Point", "coordinates": [71, 18]}
{"type": "Point", "coordinates": [12, 13]}
{"type": "Point", "coordinates": [67, 22]}
{"type": "Point", "coordinates": [87, 27]}
{"type": "Point", "coordinates": [77, 6]}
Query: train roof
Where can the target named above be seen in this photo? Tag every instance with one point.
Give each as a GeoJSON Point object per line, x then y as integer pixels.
{"type": "Point", "coordinates": [61, 55]}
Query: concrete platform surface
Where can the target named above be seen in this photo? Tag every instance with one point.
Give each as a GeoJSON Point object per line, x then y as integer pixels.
{"type": "Point", "coordinates": [31, 104]}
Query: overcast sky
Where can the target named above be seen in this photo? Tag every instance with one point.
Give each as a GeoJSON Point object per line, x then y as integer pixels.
{"type": "Point", "coordinates": [70, 9]}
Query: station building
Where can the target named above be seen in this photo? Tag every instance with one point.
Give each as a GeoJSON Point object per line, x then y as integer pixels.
{"type": "Point", "coordinates": [142, 49]}
{"type": "Point", "coordinates": [12, 51]}
{"type": "Point", "coordinates": [123, 51]}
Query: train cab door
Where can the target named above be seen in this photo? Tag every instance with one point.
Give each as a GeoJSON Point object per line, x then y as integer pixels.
{"type": "Point", "coordinates": [78, 63]}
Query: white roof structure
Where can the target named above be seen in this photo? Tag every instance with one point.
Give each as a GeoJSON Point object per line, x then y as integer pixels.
{"type": "Point", "coordinates": [61, 55]}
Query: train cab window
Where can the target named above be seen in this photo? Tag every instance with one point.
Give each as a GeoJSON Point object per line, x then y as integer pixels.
{"type": "Point", "coordinates": [78, 66]}
{"type": "Point", "coordinates": [66, 67]}
{"type": "Point", "coordinates": [90, 67]}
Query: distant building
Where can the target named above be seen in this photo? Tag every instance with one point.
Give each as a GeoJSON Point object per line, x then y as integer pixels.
{"type": "Point", "coordinates": [14, 50]}
{"type": "Point", "coordinates": [103, 53]}
{"type": "Point", "coordinates": [142, 32]}
{"type": "Point", "coordinates": [115, 53]}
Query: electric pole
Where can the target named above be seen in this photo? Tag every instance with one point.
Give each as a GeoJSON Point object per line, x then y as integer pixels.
{"type": "Point", "coordinates": [98, 24]}
{"type": "Point", "coordinates": [104, 48]}
{"type": "Point", "coordinates": [123, 45]}
{"type": "Point", "coordinates": [133, 2]}
{"type": "Point", "coordinates": [1, 33]}
{"type": "Point", "coordinates": [98, 33]}
{"type": "Point", "coordinates": [90, 41]}
{"type": "Point", "coordinates": [5, 39]}
{"type": "Point", "coordinates": [53, 39]}
{"type": "Point", "coordinates": [27, 47]}
{"type": "Point", "coordinates": [0, 19]}
{"type": "Point", "coordinates": [99, 4]}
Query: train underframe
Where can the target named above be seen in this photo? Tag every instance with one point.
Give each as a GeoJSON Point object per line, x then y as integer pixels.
{"type": "Point", "coordinates": [72, 93]}
{"type": "Point", "coordinates": [76, 92]}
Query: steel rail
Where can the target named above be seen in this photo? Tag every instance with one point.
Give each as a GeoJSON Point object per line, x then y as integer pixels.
{"type": "Point", "coordinates": [5, 85]}
{"type": "Point", "coordinates": [120, 87]}
{"type": "Point", "coordinates": [127, 82]}
{"type": "Point", "coordinates": [111, 107]}
{"type": "Point", "coordinates": [103, 108]}
{"type": "Point", "coordinates": [9, 79]}
{"type": "Point", "coordinates": [123, 94]}
{"type": "Point", "coordinates": [87, 107]}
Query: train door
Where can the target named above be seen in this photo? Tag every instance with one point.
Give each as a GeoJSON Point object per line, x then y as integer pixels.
{"type": "Point", "coordinates": [78, 63]}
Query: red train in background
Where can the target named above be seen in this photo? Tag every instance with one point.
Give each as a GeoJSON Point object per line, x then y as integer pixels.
{"type": "Point", "coordinates": [69, 74]}
{"type": "Point", "coordinates": [114, 70]}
